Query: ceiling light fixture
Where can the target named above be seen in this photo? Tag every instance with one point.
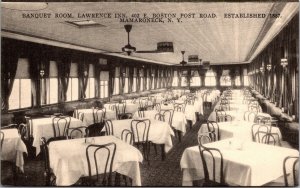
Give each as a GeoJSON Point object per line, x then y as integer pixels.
{"type": "Point", "coordinates": [183, 62]}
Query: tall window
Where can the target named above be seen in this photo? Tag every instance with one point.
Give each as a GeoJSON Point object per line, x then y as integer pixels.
{"type": "Point", "coordinates": [50, 85]}
{"type": "Point", "coordinates": [20, 96]}
{"type": "Point", "coordinates": [175, 79]}
{"type": "Point", "coordinates": [184, 81]}
{"type": "Point", "coordinates": [246, 81]}
{"type": "Point", "coordinates": [141, 75]}
{"type": "Point", "coordinates": [117, 81]}
{"type": "Point", "coordinates": [73, 86]}
{"type": "Point", "coordinates": [126, 84]}
{"type": "Point", "coordinates": [210, 78]}
{"type": "Point", "coordinates": [225, 81]}
{"type": "Point", "coordinates": [237, 81]}
{"type": "Point", "coordinates": [104, 77]}
{"type": "Point", "coordinates": [195, 80]}
{"type": "Point", "coordinates": [134, 80]}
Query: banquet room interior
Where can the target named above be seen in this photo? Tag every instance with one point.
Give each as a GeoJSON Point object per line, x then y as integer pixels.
{"type": "Point", "coordinates": [150, 93]}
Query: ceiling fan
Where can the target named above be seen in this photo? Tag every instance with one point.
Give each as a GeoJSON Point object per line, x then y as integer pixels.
{"type": "Point", "coordinates": [183, 62]}
{"type": "Point", "coordinates": [162, 47]}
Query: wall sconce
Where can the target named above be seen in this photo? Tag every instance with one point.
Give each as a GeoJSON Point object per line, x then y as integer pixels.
{"type": "Point", "coordinates": [262, 70]}
{"type": "Point", "coordinates": [42, 72]}
{"type": "Point", "coordinates": [269, 66]}
{"type": "Point", "coordinates": [85, 73]}
{"type": "Point", "coordinates": [284, 62]}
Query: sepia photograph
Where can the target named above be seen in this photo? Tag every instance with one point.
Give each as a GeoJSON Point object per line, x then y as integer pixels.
{"type": "Point", "coordinates": [150, 93]}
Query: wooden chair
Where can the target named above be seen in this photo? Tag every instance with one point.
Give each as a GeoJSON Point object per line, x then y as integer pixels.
{"type": "Point", "coordinates": [179, 107]}
{"type": "Point", "coordinates": [95, 153]}
{"type": "Point", "coordinates": [206, 154]}
{"type": "Point", "coordinates": [99, 115]}
{"type": "Point", "coordinates": [60, 125]}
{"type": "Point", "coordinates": [109, 128]}
{"type": "Point", "coordinates": [262, 134]}
{"type": "Point", "coordinates": [295, 170]}
{"type": "Point", "coordinates": [95, 130]}
{"type": "Point", "coordinates": [78, 132]}
{"type": "Point", "coordinates": [121, 111]}
{"type": "Point", "coordinates": [213, 130]}
{"type": "Point", "coordinates": [127, 136]}
{"type": "Point", "coordinates": [140, 130]}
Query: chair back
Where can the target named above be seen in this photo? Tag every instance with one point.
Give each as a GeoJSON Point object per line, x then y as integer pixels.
{"type": "Point", "coordinates": [99, 115]}
{"type": "Point", "coordinates": [127, 136]}
{"type": "Point", "coordinates": [157, 106]}
{"type": "Point", "coordinates": [158, 116]}
{"type": "Point", "coordinates": [141, 113]}
{"type": "Point", "coordinates": [95, 154]}
{"type": "Point", "coordinates": [143, 104]}
{"type": "Point", "coordinates": [167, 116]}
{"type": "Point", "coordinates": [179, 107]}
{"type": "Point", "coordinates": [295, 170]}
{"type": "Point", "coordinates": [60, 125]}
{"type": "Point", "coordinates": [190, 100]}
{"type": "Point", "coordinates": [204, 138]}
{"type": "Point", "coordinates": [109, 128]}
{"type": "Point", "coordinates": [210, 154]}
{"type": "Point", "coordinates": [213, 130]}
{"type": "Point", "coordinates": [78, 132]}
{"type": "Point", "coordinates": [262, 134]}
{"type": "Point", "coordinates": [220, 115]}
{"type": "Point", "coordinates": [140, 130]}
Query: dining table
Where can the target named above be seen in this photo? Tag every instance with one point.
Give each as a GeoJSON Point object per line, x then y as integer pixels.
{"type": "Point", "coordinates": [178, 121]}
{"type": "Point", "coordinates": [159, 133]}
{"type": "Point", "coordinates": [43, 127]}
{"type": "Point", "coordinates": [13, 147]}
{"type": "Point", "coordinates": [245, 163]}
{"type": "Point", "coordinates": [88, 117]}
{"type": "Point", "coordinates": [68, 161]}
{"type": "Point", "coordinates": [130, 107]}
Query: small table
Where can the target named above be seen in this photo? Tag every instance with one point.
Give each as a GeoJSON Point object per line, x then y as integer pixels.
{"type": "Point", "coordinates": [13, 148]}
{"type": "Point", "coordinates": [68, 159]}
{"type": "Point", "coordinates": [42, 127]}
{"type": "Point", "coordinates": [250, 164]}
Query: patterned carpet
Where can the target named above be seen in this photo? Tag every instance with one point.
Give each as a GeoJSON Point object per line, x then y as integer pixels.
{"type": "Point", "coordinates": [158, 173]}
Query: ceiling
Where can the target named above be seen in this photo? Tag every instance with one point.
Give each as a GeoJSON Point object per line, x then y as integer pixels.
{"type": "Point", "coordinates": [218, 40]}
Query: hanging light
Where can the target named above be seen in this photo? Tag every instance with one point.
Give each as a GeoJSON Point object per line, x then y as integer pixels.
{"type": "Point", "coordinates": [183, 62]}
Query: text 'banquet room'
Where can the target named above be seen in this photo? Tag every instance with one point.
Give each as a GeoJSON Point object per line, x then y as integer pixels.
{"type": "Point", "coordinates": [150, 93]}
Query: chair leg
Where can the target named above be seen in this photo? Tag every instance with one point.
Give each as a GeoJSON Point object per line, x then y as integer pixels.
{"type": "Point", "coordinates": [163, 154]}
{"type": "Point", "coordinates": [155, 148]}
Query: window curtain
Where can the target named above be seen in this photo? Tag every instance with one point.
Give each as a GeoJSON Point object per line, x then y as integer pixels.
{"type": "Point", "coordinates": [179, 73]}
{"type": "Point", "coordinates": [112, 80]}
{"type": "Point", "coordinates": [151, 77]}
{"type": "Point", "coordinates": [97, 80]}
{"type": "Point", "coordinates": [155, 78]}
{"type": "Point", "coordinates": [138, 79]}
{"type": "Point", "coordinates": [146, 75]}
{"type": "Point", "coordinates": [122, 76]}
{"type": "Point", "coordinates": [34, 73]}
{"type": "Point", "coordinates": [9, 63]}
{"type": "Point", "coordinates": [83, 74]}
{"type": "Point", "coordinates": [45, 65]}
{"type": "Point", "coordinates": [171, 75]}
{"type": "Point", "coordinates": [64, 73]}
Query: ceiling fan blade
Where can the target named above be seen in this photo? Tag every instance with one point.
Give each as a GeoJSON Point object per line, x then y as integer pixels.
{"type": "Point", "coordinates": [147, 51]}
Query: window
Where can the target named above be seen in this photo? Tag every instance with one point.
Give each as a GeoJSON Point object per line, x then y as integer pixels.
{"type": "Point", "coordinates": [72, 91]}
{"type": "Point", "coordinates": [126, 87]}
{"type": "Point", "coordinates": [175, 79]}
{"type": "Point", "coordinates": [148, 83]}
{"type": "Point", "coordinates": [210, 78]}
{"type": "Point", "coordinates": [20, 96]}
{"type": "Point", "coordinates": [52, 91]}
{"type": "Point", "coordinates": [196, 81]}
{"type": "Point", "coordinates": [183, 81]}
{"type": "Point", "coordinates": [225, 81]}
{"type": "Point", "coordinates": [152, 87]}
{"type": "Point", "coordinates": [246, 81]}
{"type": "Point", "coordinates": [73, 86]}
{"type": "Point", "coordinates": [49, 86]}
{"type": "Point", "coordinates": [104, 77]}
{"type": "Point", "coordinates": [134, 85]}
{"type": "Point", "coordinates": [103, 89]}
{"type": "Point", "coordinates": [141, 84]}
{"type": "Point", "coordinates": [237, 81]}
{"type": "Point", "coordinates": [90, 89]}
{"type": "Point", "coordinates": [117, 81]}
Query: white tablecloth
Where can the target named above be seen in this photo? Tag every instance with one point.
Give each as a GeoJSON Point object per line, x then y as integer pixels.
{"type": "Point", "coordinates": [13, 148]}
{"type": "Point", "coordinates": [160, 132]}
{"type": "Point", "coordinates": [178, 121]}
{"type": "Point", "coordinates": [189, 110]}
{"type": "Point", "coordinates": [130, 107]}
{"type": "Point", "coordinates": [42, 127]}
{"type": "Point", "coordinates": [69, 163]}
{"type": "Point", "coordinates": [89, 118]}
{"type": "Point", "coordinates": [253, 165]}
{"type": "Point", "coordinates": [237, 129]}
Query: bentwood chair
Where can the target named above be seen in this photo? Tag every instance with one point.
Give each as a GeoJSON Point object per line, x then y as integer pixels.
{"type": "Point", "coordinates": [60, 125]}
{"type": "Point", "coordinates": [49, 175]}
{"type": "Point", "coordinates": [213, 130]}
{"type": "Point", "coordinates": [109, 128]}
{"type": "Point", "coordinates": [78, 115]}
{"type": "Point", "coordinates": [295, 172]}
{"type": "Point", "coordinates": [99, 115]}
{"type": "Point", "coordinates": [121, 111]}
{"type": "Point", "coordinates": [209, 160]}
{"type": "Point", "coordinates": [205, 138]}
{"type": "Point", "coordinates": [140, 130]}
{"type": "Point", "coordinates": [77, 132]}
{"type": "Point", "coordinates": [262, 134]}
{"type": "Point", "coordinates": [95, 154]}
{"type": "Point", "coordinates": [179, 107]}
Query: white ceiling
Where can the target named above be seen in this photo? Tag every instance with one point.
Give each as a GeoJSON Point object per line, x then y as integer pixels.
{"type": "Point", "coordinates": [218, 40]}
